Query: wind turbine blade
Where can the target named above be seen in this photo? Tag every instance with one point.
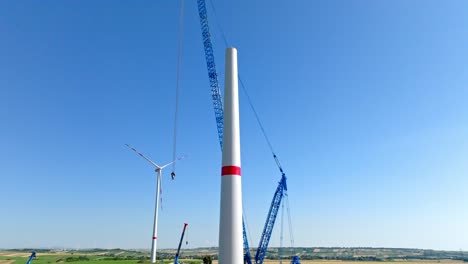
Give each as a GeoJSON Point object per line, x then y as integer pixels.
{"type": "Point", "coordinates": [172, 162]}
{"type": "Point", "coordinates": [160, 191]}
{"type": "Point", "coordinates": [143, 156]}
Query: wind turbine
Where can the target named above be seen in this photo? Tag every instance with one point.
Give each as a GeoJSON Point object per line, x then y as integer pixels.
{"type": "Point", "coordinates": [158, 170]}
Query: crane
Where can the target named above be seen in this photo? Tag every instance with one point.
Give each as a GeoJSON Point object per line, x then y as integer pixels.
{"type": "Point", "coordinates": [270, 221]}
{"type": "Point", "coordinates": [218, 109]}
{"type": "Point", "coordinates": [176, 259]}
{"type": "Point", "coordinates": [216, 94]}
{"type": "Point", "coordinates": [212, 74]}
{"type": "Point", "coordinates": [33, 256]}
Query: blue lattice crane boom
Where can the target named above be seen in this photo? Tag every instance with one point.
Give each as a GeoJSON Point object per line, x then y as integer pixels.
{"type": "Point", "coordinates": [247, 257]}
{"type": "Point", "coordinates": [212, 74]}
{"type": "Point", "coordinates": [270, 221]}
{"type": "Point", "coordinates": [216, 94]}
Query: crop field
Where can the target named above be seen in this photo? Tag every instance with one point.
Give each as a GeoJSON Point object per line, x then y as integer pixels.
{"type": "Point", "coordinates": [17, 258]}
{"type": "Point", "coordinates": [62, 259]}
{"type": "Point", "coordinates": [368, 262]}
{"type": "Point", "coordinates": [363, 262]}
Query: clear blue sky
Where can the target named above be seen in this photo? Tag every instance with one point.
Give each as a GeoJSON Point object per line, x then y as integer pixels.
{"type": "Point", "coordinates": [365, 103]}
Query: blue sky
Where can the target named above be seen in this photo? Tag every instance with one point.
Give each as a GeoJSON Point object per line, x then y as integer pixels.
{"type": "Point", "coordinates": [364, 102]}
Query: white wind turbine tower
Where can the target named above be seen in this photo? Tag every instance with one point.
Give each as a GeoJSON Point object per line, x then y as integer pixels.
{"type": "Point", "coordinates": [158, 170]}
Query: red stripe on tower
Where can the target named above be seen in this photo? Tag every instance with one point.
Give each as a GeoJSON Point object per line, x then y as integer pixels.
{"type": "Point", "coordinates": [231, 170]}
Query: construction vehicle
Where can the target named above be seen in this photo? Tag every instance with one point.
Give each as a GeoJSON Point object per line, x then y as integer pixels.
{"type": "Point", "coordinates": [33, 256]}
{"type": "Point", "coordinates": [176, 259]}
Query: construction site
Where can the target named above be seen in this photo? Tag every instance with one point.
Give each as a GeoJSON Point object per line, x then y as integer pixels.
{"type": "Point", "coordinates": [362, 165]}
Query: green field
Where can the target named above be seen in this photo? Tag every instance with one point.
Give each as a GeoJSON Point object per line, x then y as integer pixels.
{"type": "Point", "coordinates": [317, 255]}
{"type": "Point", "coordinates": [96, 259]}
{"type": "Point", "coordinates": [71, 259]}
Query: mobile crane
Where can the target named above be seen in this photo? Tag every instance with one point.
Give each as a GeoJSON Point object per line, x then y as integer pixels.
{"type": "Point", "coordinates": [33, 256]}
{"type": "Point", "coordinates": [176, 259]}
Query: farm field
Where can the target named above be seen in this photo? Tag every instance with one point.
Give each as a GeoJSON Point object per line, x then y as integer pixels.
{"type": "Point", "coordinates": [61, 257]}
{"type": "Point", "coordinates": [369, 262]}
{"type": "Point", "coordinates": [8, 258]}
{"type": "Point", "coordinates": [363, 262]}
{"type": "Point", "coordinates": [308, 255]}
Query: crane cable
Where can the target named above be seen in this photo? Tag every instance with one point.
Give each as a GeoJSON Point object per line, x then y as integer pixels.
{"type": "Point", "coordinates": [280, 250]}
{"type": "Point", "coordinates": [249, 100]}
{"type": "Point", "coordinates": [219, 25]}
{"type": "Point", "coordinates": [244, 216]}
{"type": "Point", "coordinates": [291, 234]}
{"type": "Point", "coordinates": [179, 60]}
